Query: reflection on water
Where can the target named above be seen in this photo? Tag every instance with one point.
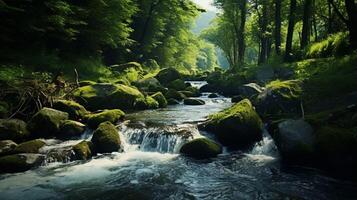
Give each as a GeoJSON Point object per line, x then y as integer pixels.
{"type": "Point", "coordinates": [151, 168]}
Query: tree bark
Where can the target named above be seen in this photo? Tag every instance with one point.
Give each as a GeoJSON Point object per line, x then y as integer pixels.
{"type": "Point", "coordinates": [277, 26]}
{"type": "Point", "coordinates": [289, 38]}
{"type": "Point", "coordinates": [263, 37]}
{"type": "Point", "coordinates": [352, 19]}
{"type": "Point", "coordinates": [305, 35]}
{"type": "Point", "coordinates": [241, 34]}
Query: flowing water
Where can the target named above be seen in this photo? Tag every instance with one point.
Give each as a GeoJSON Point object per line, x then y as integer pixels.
{"type": "Point", "coordinates": [151, 168]}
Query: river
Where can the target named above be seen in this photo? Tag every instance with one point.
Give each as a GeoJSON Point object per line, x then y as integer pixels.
{"type": "Point", "coordinates": [151, 168]}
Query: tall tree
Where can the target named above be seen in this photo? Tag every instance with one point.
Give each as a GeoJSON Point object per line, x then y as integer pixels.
{"type": "Point", "coordinates": [289, 37]}
{"type": "Point", "coordinates": [277, 32]}
{"type": "Point", "coordinates": [305, 34]}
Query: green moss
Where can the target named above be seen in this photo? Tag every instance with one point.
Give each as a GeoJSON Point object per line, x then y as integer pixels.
{"type": "Point", "coordinates": [237, 126]}
{"type": "Point", "coordinates": [335, 45]}
{"type": "Point", "coordinates": [71, 128]}
{"type": "Point", "coordinates": [46, 122]}
{"type": "Point", "coordinates": [83, 150]}
{"type": "Point", "coordinates": [112, 116]}
{"type": "Point", "coordinates": [290, 89]}
{"type": "Point", "coordinates": [106, 138]}
{"type": "Point", "coordinates": [86, 83]}
{"type": "Point", "coordinates": [122, 81]}
{"type": "Point", "coordinates": [173, 94]}
{"type": "Point", "coordinates": [160, 98]}
{"type": "Point", "coordinates": [31, 146]}
{"type": "Point", "coordinates": [13, 129]}
{"type": "Point", "coordinates": [108, 96]}
{"type": "Point", "coordinates": [74, 109]}
{"type": "Point", "coordinates": [201, 148]}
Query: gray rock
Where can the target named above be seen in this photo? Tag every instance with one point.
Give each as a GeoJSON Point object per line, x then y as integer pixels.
{"type": "Point", "coordinates": [250, 89]}
{"type": "Point", "coordinates": [7, 146]}
{"type": "Point", "coordinates": [20, 162]}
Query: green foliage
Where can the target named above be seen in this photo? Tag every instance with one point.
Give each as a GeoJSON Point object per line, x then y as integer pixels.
{"type": "Point", "coordinates": [334, 45]}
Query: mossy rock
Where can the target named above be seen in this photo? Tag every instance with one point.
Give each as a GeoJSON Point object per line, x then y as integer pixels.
{"type": "Point", "coordinates": [86, 83]}
{"type": "Point", "coordinates": [4, 109]}
{"type": "Point", "coordinates": [106, 138]}
{"type": "Point", "coordinates": [177, 84]}
{"type": "Point", "coordinates": [112, 116]}
{"type": "Point", "coordinates": [71, 128]}
{"type": "Point", "coordinates": [20, 162]}
{"type": "Point", "coordinates": [201, 148]}
{"type": "Point", "coordinates": [83, 150]}
{"type": "Point", "coordinates": [194, 92]}
{"type": "Point", "coordinates": [7, 147]}
{"type": "Point", "coordinates": [237, 126]}
{"type": "Point", "coordinates": [46, 122]}
{"type": "Point", "coordinates": [337, 147]}
{"type": "Point", "coordinates": [151, 64]}
{"type": "Point", "coordinates": [108, 96]}
{"type": "Point", "coordinates": [279, 97]}
{"type": "Point", "coordinates": [32, 146]}
{"type": "Point", "coordinates": [122, 67]}
{"type": "Point", "coordinates": [168, 75]}
{"type": "Point", "coordinates": [75, 110]}
{"type": "Point", "coordinates": [147, 103]}
{"type": "Point", "coordinates": [194, 102]}
{"type": "Point", "coordinates": [172, 102]}
{"type": "Point", "coordinates": [13, 129]}
{"type": "Point", "coordinates": [173, 94]}
{"type": "Point", "coordinates": [160, 98]}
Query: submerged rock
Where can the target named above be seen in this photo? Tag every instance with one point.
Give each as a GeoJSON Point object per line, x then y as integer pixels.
{"type": "Point", "coordinates": [108, 96]}
{"type": "Point", "coordinates": [160, 98]}
{"type": "Point", "coordinates": [71, 128]}
{"type": "Point", "coordinates": [213, 95]}
{"type": "Point", "coordinates": [106, 138]}
{"type": "Point", "coordinates": [83, 150]}
{"type": "Point", "coordinates": [13, 129]}
{"type": "Point", "coordinates": [294, 139]}
{"type": "Point", "coordinates": [168, 75]}
{"type": "Point", "coordinates": [201, 148]}
{"type": "Point", "coordinates": [32, 146]}
{"type": "Point", "coordinates": [46, 122]}
{"type": "Point", "coordinates": [7, 147]}
{"type": "Point", "coordinates": [74, 109]}
{"type": "Point", "coordinates": [194, 102]}
{"type": "Point", "coordinates": [20, 162]}
{"type": "Point", "coordinates": [237, 126]}
{"type": "Point", "coordinates": [112, 116]}
{"type": "Point", "coordinates": [172, 102]}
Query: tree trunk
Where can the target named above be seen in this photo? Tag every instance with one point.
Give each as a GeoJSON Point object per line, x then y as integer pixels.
{"type": "Point", "coordinates": [241, 35]}
{"type": "Point", "coordinates": [277, 26]}
{"type": "Point", "coordinates": [263, 37]}
{"type": "Point", "coordinates": [289, 38]}
{"type": "Point", "coordinates": [305, 35]}
{"type": "Point", "coordinates": [352, 19]}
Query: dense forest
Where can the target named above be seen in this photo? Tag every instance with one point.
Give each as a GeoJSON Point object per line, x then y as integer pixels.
{"type": "Point", "coordinates": [178, 99]}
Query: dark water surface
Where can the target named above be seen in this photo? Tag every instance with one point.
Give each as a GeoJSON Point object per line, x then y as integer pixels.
{"type": "Point", "coordinates": [151, 168]}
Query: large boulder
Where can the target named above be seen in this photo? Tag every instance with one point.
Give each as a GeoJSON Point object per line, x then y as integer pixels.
{"type": "Point", "coordinates": [75, 110]}
{"type": "Point", "coordinates": [147, 103]}
{"type": "Point", "coordinates": [249, 90]}
{"type": "Point", "coordinates": [173, 94]}
{"type": "Point", "coordinates": [279, 97]}
{"type": "Point", "coordinates": [168, 75]}
{"type": "Point", "coordinates": [32, 146]}
{"type": "Point", "coordinates": [108, 96]}
{"type": "Point", "coordinates": [294, 139]}
{"type": "Point", "coordinates": [83, 150]}
{"type": "Point", "coordinates": [191, 92]}
{"type": "Point", "coordinates": [20, 162]}
{"type": "Point", "coordinates": [106, 138]}
{"type": "Point", "coordinates": [160, 98]}
{"type": "Point", "coordinates": [177, 84]}
{"type": "Point", "coordinates": [112, 116]}
{"type": "Point", "coordinates": [194, 102]}
{"type": "Point", "coordinates": [71, 128]}
{"type": "Point", "coordinates": [7, 147]}
{"type": "Point", "coordinates": [238, 126]}
{"type": "Point", "coordinates": [201, 148]}
{"type": "Point", "coordinates": [46, 122]}
{"type": "Point", "coordinates": [13, 129]}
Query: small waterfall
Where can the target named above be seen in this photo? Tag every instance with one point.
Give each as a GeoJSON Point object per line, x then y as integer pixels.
{"type": "Point", "coordinates": [167, 139]}
{"type": "Point", "coordinates": [197, 84]}
{"type": "Point", "coordinates": [265, 149]}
